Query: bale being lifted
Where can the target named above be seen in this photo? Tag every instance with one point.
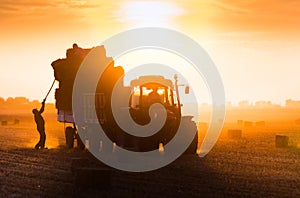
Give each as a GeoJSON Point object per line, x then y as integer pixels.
{"type": "Point", "coordinates": [65, 72]}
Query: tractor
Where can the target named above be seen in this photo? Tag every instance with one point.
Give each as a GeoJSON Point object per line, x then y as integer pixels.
{"type": "Point", "coordinates": [146, 91]}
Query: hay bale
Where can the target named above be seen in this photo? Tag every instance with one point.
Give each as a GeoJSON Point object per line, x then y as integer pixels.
{"type": "Point", "coordinates": [281, 141]}
{"type": "Point", "coordinates": [240, 122]}
{"type": "Point", "coordinates": [248, 124]}
{"type": "Point", "coordinates": [260, 124]}
{"type": "Point", "coordinates": [4, 123]}
{"type": "Point", "coordinates": [16, 121]}
{"type": "Point", "coordinates": [234, 133]}
{"type": "Point", "coordinates": [92, 178]}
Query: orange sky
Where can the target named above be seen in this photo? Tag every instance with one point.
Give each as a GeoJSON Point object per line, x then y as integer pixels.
{"type": "Point", "coordinates": [254, 43]}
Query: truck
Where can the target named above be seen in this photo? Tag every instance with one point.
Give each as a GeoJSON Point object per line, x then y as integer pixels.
{"type": "Point", "coordinates": [146, 91]}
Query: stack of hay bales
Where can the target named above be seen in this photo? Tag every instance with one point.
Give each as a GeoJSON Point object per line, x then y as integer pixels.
{"type": "Point", "coordinates": [65, 71]}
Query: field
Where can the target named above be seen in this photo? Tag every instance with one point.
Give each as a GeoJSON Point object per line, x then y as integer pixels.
{"type": "Point", "coordinates": [250, 166]}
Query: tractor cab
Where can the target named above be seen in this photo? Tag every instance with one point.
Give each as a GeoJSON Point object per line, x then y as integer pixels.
{"type": "Point", "coordinates": [150, 93]}
{"type": "Point", "coordinates": [148, 90]}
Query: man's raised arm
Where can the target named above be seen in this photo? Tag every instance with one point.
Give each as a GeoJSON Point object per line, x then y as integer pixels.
{"type": "Point", "coordinates": [43, 107]}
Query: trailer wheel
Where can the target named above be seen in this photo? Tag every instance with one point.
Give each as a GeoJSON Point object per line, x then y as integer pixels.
{"type": "Point", "coordinates": [80, 144]}
{"type": "Point", "coordinates": [70, 133]}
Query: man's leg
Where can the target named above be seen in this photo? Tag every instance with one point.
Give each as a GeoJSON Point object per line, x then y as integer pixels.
{"type": "Point", "coordinates": [37, 146]}
{"type": "Point", "coordinates": [43, 139]}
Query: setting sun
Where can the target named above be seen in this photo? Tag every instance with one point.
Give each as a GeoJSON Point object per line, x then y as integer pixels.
{"type": "Point", "coordinates": [148, 13]}
{"type": "Point", "coordinates": [257, 40]}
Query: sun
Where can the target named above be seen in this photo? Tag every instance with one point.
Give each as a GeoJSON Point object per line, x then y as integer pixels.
{"type": "Point", "coordinates": [146, 13]}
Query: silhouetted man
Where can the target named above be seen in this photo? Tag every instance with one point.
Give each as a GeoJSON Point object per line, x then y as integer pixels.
{"type": "Point", "coordinates": [154, 97]}
{"type": "Point", "coordinates": [40, 125]}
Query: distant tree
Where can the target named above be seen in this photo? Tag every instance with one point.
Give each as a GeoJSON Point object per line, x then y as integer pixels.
{"type": "Point", "coordinates": [10, 101]}
{"type": "Point", "coordinates": [244, 103]}
{"type": "Point", "coordinates": [21, 100]}
{"type": "Point", "coordinates": [292, 103]}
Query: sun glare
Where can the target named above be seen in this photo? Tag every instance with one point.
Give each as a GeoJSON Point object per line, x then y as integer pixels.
{"type": "Point", "coordinates": [145, 13]}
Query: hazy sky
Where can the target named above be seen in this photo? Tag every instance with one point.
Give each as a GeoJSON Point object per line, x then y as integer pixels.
{"type": "Point", "coordinates": [254, 43]}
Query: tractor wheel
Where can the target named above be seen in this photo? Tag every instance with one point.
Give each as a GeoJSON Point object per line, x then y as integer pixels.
{"type": "Point", "coordinates": [192, 128]}
{"type": "Point", "coordinates": [70, 133]}
{"type": "Point", "coordinates": [192, 149]}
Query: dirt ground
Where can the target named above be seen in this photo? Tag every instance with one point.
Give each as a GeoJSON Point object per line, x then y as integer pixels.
{"type": "Point", "coordinates": [248, 167]}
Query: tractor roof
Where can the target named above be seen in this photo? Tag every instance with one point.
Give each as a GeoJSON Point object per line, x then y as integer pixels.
{"type": "Point", "coordinates": [151, 79]}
